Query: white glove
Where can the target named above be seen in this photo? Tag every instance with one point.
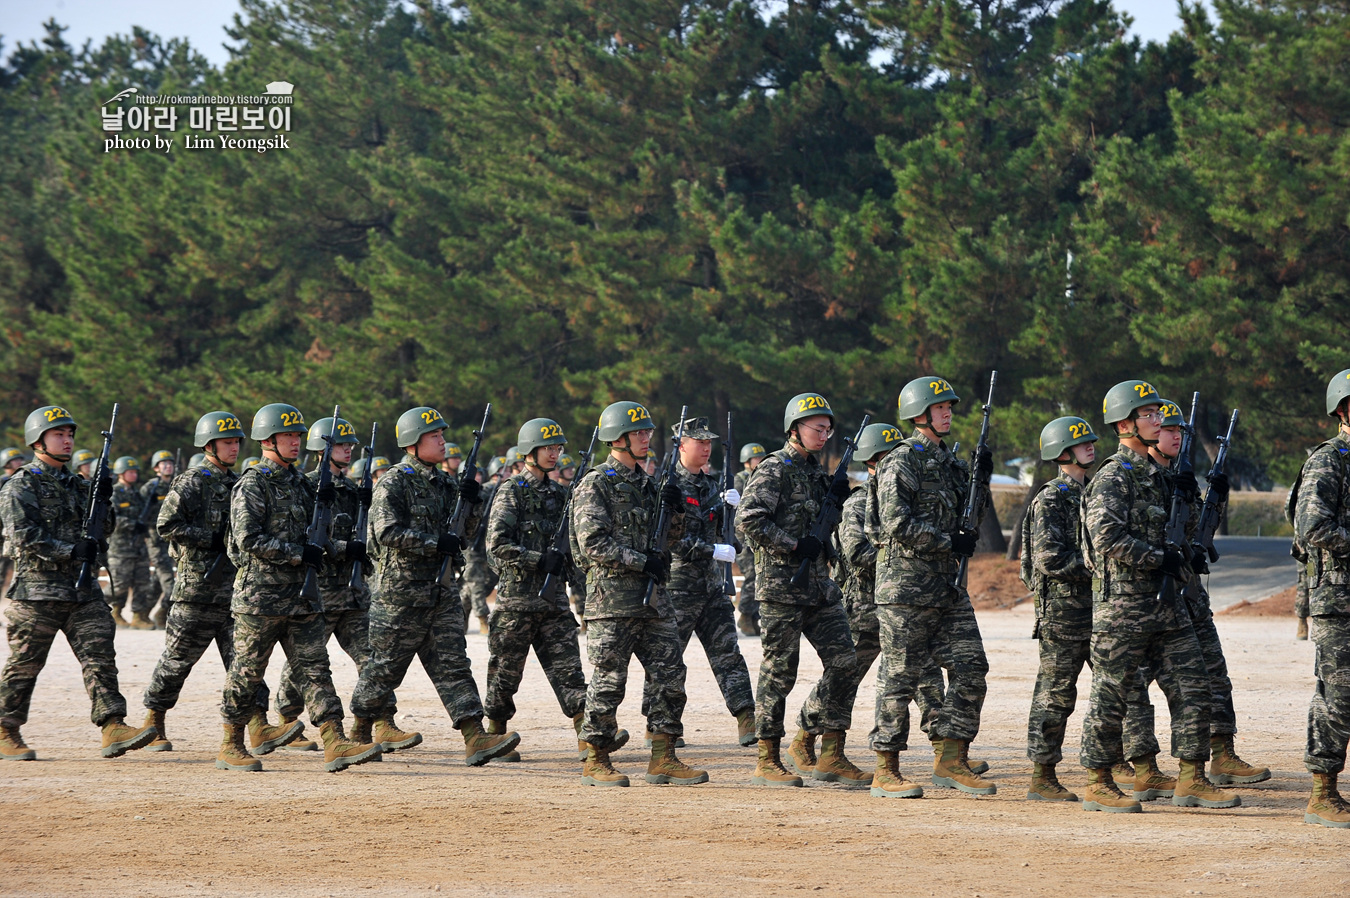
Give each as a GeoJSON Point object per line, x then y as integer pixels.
{"type": "Point", "coordinates": [732, 497]}
{"type": "Point", "coordinates": [722, 552]}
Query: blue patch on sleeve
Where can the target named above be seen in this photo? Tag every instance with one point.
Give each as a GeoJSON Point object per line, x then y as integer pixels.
{"type": "Point", "coordinates": [407, 469]}
{"type": "Point", "coordinates": [204, 472]}
{"type": "Point", "coordinates": [1127, 465]}
{"type": "Point", "coordinates": [920, 447]}
{"type": "Point", "coordinates": [1342, 450]}
{"type": "Point", "coordinates": [610, 471]}
{"type": "Point", "coordinates": [787, 461]}
{"type": "Point", "coordinates": [264, 470]}
{"type": "Point", "coordinates": [1063, 487]}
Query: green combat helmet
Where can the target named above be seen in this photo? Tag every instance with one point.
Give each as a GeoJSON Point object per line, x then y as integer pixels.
{"type": "Point", "coordinates": [921, 392]}
{"type": "Point", "coordinates": [343, 433]}
{"type": "Point", "coordinates": [159, 456]}
{"type": "Point", "coordinates": [805, 405]}
{"type": "Point", "coordinates": [81, 458]}
{"type": "Point", "coordinates": [380, 463]}
{"type": "Point", "coordinates": [452, 450]}
{"type": "Point", "coordinates": [752, 451]}
{"type": "Point", "coordinates": [1337, 390]}
{"type": "Point", "coordinates": [1171, 414]}
{"type": "Point", "coordinates": [537, 433]}
{"type": "Point", "coordinates": [415, 422]}
{"type": "Point", "coordinates": [276, 418]}
{"type": "Point", "coordinates": [566, 462]}
{"type": "Point", "coordinates": [495, 466]}
{"type": "Point", "coordinates": [217, 425]}
{"type": "Point", "coordinates": [124, 464]}
{"type": "Point", "coordinates": [44, 419]}
{"type": "Point", "coordinates": [514, 456]}
{"type": "Point", "coordinates": [199, 457]}
{"type": "Point", "coordinates": [620, 418]}
{"type": "Point", "coordinates": [876, 439]}
{"type": "Point", "coordinates": [1064, 433]}
{"type": "Point", "coordinates": [9, 453]}
{"type": "Point", "coordinates": [1126, 396]}
{"type": "Point", "coordinates": [243, 466]}
{"type": "Point", "coordinates": [358, 469]}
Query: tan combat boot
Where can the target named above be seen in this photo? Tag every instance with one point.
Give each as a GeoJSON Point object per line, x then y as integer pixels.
{"type": "Point", "coordinates": [1103, 795]}
{"type": "Point", "coordinates": [234, 754]}
{"type": "Point", "coordinates": [597, 771]}
{"type": "Point", "coordinates": [1123, 773]}
{"type": "Point", "coordinates": [361, 727]}
{"type": "Point", "coordinates": [745, 727]}
{"type": "Point", "coordinates": [498, 728]}
{"type": "Point", "coordinates": [647, 740]}
{"type": "Point", "coordinates": [951, 770]}
{"type": "Point", "coordinates": [1326, 807]}
{"type": "Point", "coordinates": [12, 746]}
{"type": "Point", "coordinates": [1149, 781]}
{"type": "Point", "coordinates": [1194, 790]}
{"type": "Point", "coordinates": [160, 617]}
{"type": "Point", "coordinates": [620, 738]}
{"type": "Point", "coordinates": [664, 769]}
{"type": "Point", "coordinates": [161, 742]}
{"type": "Point", "coordinates": [747, 625]}
{"type": "Point", "coordinates": [140, 622]}
{"type": "Point", "coordinates": [770, 770]}
{"type": "Point", "coordinates": [300, 742]}
{"type": "Point", "coordinates": [479, 747]}
{"type": "Point", "coordinates": [1302, 629]}
{"type": "Point", "coordinates": [833, 767]}
{"type": "Point", "coordinates": [117, 617]}
{"type": "Point", "coordinates": [263, 738]}
{"type": "Point", "coordinates": [1045, 785]}
{"type": "Point", "coordinates": [118, 738]}
{"type": "Point", "coordinates": [1226, 767]}
{"type": "Point", "coordinates": [888, 782]}
{"type": "Point", "coordinates": [339, 752]}
{"type": "Point", "coordinates": [483, 624]}
{"type": "Point", "coordinates": [391, 738]}
{"type": "Point", "coordinates": [801, 753]}
{"type": "Point", "coordinates": [975, 766]}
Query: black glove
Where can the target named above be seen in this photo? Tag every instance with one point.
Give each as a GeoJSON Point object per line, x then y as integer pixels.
{"type": "Point", "coordinates": [103, 489]}
{"type": "Point", "coordinates": [1186, 484]}
{"type": "Point", "coordinates": [103, 547]}
{"type": "Point", "coordinates": [327, 494]}
{"type": "Point", "coordinates": [356, 551]}
{"type": "Point", "coordinates": [364, 495]}
{"type": "Point", "coordinates": [1199, 563]}
{"type": "Point", "coordinates": [1220, 485]}
{"type": "Point", "coordinates": [964, 541]}
{"type": "Point", "coordinates": [551, 562]}
{"type": "Point", "coordinates": [808, 548]}
{"type": "Point", "coordinates": [85, 550]}
{"type": "Point", "coordinates": [1173, 563]}
{"type": "Point", "coordinates": [984, 463]}
{"type": "Point", "coordinates": [312, 556]}
{"type": "Point", "coordinates": [840, 489]}
{"type": "Point", "coordinates": [218, 542]}
{"type": "Point", "coordinates": [471, 489]}
{"type": "Point", "coordinates": [657, 567]}
{"type": "Point", "coordinates": [736, 544]}
{"type": "Point", "coordinates": [672, 498]}
{"type": "Point", "coordinates": [448, 544]}
{"type": "Point", "coordinates": [141, 527]}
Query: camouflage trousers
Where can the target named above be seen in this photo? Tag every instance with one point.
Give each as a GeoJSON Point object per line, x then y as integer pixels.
{"type": "Point", "coordinates": [189, 632]}
{"type": "Point", "coordinates": [1329, 711]}
{"type": "Point", "coordinates": [610, 644]}
{"type": "Point", "coordinates": [1301, 602]}
{"type": "Point", "coordinates": [302, 639]}
{"type": "Point", "coordinates": [576, 585]}
{"type": "Point", "coordinates": [88, 628]}
{"type": "Point", "coordinates": [746, 603]}
{"type": "Point", "coordinates": [350, 627]}
{"type": "Point", "coordinates": [476, 584]}
{"type": "Point", "coordinates": [711, 617]}
{"type": "Point", "coordinates": [553, 636]}
{"type": "Point", "coordinates": [913, 640]}
{"type": "Point", "coordinates": [435, 636]}
{"type": "Point", "coordinates": [1174, 657]}
{"type": "Point", "coordinates": [826, 627]}
{"type": "Point", "coordinates": [130, 575]}
{"type": "Point", "coordinates": [164, 575]}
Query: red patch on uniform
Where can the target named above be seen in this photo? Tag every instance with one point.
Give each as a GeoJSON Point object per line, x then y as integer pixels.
{"type": "Point", "coordinates": [691, 500]}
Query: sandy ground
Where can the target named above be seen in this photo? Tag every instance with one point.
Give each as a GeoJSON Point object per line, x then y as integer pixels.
{"type": "Point", "coordinates": [171, 824]}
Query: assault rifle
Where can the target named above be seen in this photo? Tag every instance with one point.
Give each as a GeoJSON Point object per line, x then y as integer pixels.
{"type": "Point", "coordinates": [459, 518]}
{"type": "Point", "coordinates": [728, 512]}
{"type": "Point", "coordinates": [549, 590]}
{"type": "Point", "coordinates": [321, 523]}
{"type": "Point", "coordinates": [661, 535]}
{"type": "Point", "coordinates": [1181, 506]}
{"type": "Point", "coordinates": [100, 501]}
{"type": "Point", "coordinates": [363, 513]}
{"type": "Point", "coordinates": [1208, 524]}
{"type": "Point", "coordinates": [831, 510]}
{"type": "Point", "coordinates": [979, 486]}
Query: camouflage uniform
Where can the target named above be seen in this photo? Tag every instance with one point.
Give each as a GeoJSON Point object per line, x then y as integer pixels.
{"type": "Point", "coordinates": [779, 505]}
{"type": "Point", "coordinates": [156, 490]}
{"type": "Point", "coordinates": [521, 525]}
{"type": "Point", "coordinates": [193, 518]}
{"type": "Point", "coordinates": [745, 560]}
{"type": "Point", "coordinates": [479, 578]}
{"type": "Point", "coordinates": [43, 511]}
{"type": "Point", "coordinates": [128, 558]}
{"type": "Point", "coordinates": [614, 511]}
{"type": "Point", "coordinates": [1125, 512]}
{"type": "Point", "coordinates": [924, 616]}
{"type": "Point", "coordinates": [344, 607]}
{"type": "Point", "coordinates": [270, 509]}
{"type": "Point", "coordinates": [411, 614]}
{"type": "Point", "coordinates": [697, 588]}
{"type": "Point", "coordinates": [1322, 527]}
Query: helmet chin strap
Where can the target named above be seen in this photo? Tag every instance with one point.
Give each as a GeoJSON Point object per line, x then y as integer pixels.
{"type": "Point", "coordinates": [627, 448]}
{"type": "Point", "coordinates": [50, 454]}
{"type": "Point", "coordinates": [927, 422]}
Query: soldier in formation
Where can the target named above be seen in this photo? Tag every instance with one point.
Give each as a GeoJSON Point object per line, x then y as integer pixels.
{"type": "Point", "coordinates": [747, 609]}
{"type": "Point", "coordinates": [153, 493]}
{"type": "Point", "coordinates": [128, 555]}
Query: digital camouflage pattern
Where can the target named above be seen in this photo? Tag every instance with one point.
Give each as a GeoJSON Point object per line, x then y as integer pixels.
{"type": "Point", "coordinates": [479, 579]}
{"type": "Point", "coordinates": [777, 508]}
{"type": "Point", "coordinates": [189, 632]}
{"type": "Point", "coordinates": [552, 633]}
{"type": "Point", "coordinates": [1329, 711]}
{"type": "Point", "coordinates": [43, 511]}
{"type": "Point", "coordinates": [156, 491]}
{"type": "Point", "coordinates": [410, 511]}
{"type": "Point", "coordinates": [745, 561]}
{"type": "Point", "coordinates": [32, 627]}
{"type": "Point", "coordinates": [351, 626]}
{"type": "Point", "coordinates": [302, 639]}
{"type": "Point", "coordinates": [128, 555]}
{"type": "Point", "coordinates": [524, 517]}
{"type": "Point", "coordinates": [193, 518]}
{"type": "Point", "coordinates": [270, 510]}
{"type": "Point", "coordinates": [610, 644]}
{"type": "Point", "coordinates": [830, 702]}
{"type": "Point", "coordinates": [335, 577]}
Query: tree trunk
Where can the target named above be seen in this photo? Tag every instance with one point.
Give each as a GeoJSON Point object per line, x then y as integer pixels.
{"type": "Point", "coordinates": [1039, 476]}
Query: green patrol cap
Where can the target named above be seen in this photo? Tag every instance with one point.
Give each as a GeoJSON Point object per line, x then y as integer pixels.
{"type": "Point", "coordinates": [805, 405]}
{"type": "Point", "coordinates": [218, 425]}
{"type": "Point", "coordinates": [1337, 390]}
{"type": "Point", "coordinates": [752, 450]}
{"type": "Point", "coordinates": [877, 439]}
{"type": "Point", "coordinates": [921, 392]}
{"type": "Point", "coordinates": [124, 464]}
{"type": "Point", "coordinates": [1064, 433]}
{"type": "Point", "coordinates": [415, 422]}
{"type": "Point", "coordinates": [278, 417]}
{"type": "Point", "coordinates": [620, 418]}
{"type": "Point", "coordinates": [696, 429]}
{"type": "Point", "coordinates": [343, 433]}
{"type": "Point", "coordinates": [44, 419]}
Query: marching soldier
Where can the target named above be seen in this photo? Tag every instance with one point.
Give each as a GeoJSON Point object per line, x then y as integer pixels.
{"type": "Point", "coordinates": [747, 619]}
{"type": "Point", "coordinates": [82, 462]}
{"type": "Point", "coordinates": [454, 457]}
{"type": "Point", "coordinates": [43, 507]}
{"type": "Point", "coordinates": [614, 512]}
{"type": "Point", "coordinates": [154, 491]}
{"type": "Point", "coordinates": [11, 460]}
{"type": "Point", "coordinates": [478, 579]}
{"type": "Point", "coordinates": [775, 516]}
{"type": "Point", "coordinates": [128, 557]}
{"type": "Point", "coordinates": [270, 509]}
{"type": "Point", "coordinates": [411, 613]}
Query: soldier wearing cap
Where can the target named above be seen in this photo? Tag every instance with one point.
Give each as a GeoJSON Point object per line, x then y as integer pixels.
{"type": "Point", "coordinates": [747, 609]}
{"type": "Point", "coordinates": [128, 556]}
{"type": "Point", "coordinates": [153, 492]}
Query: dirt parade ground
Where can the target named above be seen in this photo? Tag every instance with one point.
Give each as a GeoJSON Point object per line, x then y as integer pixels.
{"type": "Point", "coordinates": [420, 821]}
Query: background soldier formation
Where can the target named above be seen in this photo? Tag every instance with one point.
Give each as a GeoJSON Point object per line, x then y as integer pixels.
{"type": "Point", "coordinates": [233, 554]}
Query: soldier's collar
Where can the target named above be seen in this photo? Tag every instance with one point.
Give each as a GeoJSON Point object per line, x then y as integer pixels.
{"type": "Point", "coordinates": [925, 443]}
{"type": "Point", "coordinates": [533, 478]}
{"type": "Point", "coordinates": [797, 454]}
{"type": "Point", "coordinates": [1131, 459]}
{"type": "Point", "coordinates": [44, 467]}
{"type": "Point", "coordinates": [613, 464]}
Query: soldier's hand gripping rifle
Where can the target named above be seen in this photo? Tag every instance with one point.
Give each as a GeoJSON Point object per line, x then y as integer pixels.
{"type": "Point", "coordinates": [660, 543]}
{"type": "Point", "coordinates": [100, 501]}
{"type": "Point", "coordinates": [728, 511]}
{"type": "Point", "coordinates": [459, 518]}
{"type": "Point", "coordinates": [549, 590]}
{"type": "Point", "coordinates": [1208, 524]}
{"type": "Point", "coordinates": [321, 523]}
{"type": "Point", "coordinates": [1180, 515]}
{"type": "Point", "coordinates": [832, 509]}
{"type": "Point", "coordinates": [978, 493]}
{"type": "Point", "coordinates": [363, 513]}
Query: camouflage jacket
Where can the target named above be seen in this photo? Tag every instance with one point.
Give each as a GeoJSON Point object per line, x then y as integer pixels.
{"type": "Point", "coordinates": [524, 517]}
{"type": "Point", "coordinates": [614, 512]}
{"type": "Point", "coordinates": [1125, 511]}
{"type": "Point", "coordinates": [337, 567]}
{"type": "Point", "coordinates": [1059, 577]}
{"type": "Point", "coordinates": [156, 490]}
{"type": "Point", "coordinates": [693, 571]}
{"type": "Point", "coordinates": [779, 505]}
{"type": "Point", "coordinates": [1322, 526]}
{"type": "Point", "coordinates": [920, 495]}
{"type": "Point", "coordinates": [270, 511]}
{"type": "Point", "coordinates": [410, 511]}
{"type": "Point", "coordinates": [43, 511]}
{"type": "Point", "coordinates": [856, 564]}
{"type": "Point", "coordinates": [195, 511]}
{"type": "Point", "coordinates": [479, 545]}
{"type": "Point", "coordinates": [125, 542]}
